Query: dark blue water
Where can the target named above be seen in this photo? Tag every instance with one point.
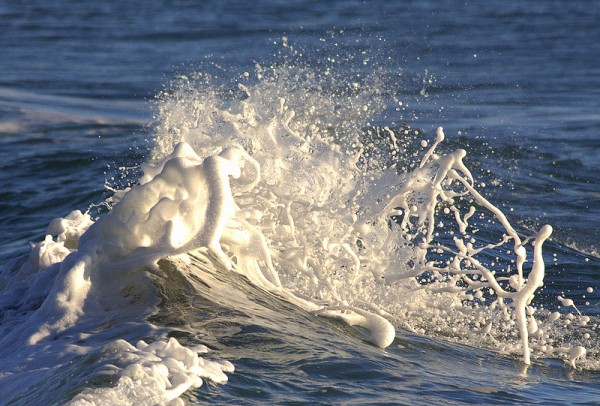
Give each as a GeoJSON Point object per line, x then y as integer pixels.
{"type": "Point", "coordinates": [517, 84]}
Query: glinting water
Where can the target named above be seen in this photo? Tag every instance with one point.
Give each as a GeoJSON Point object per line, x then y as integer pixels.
{"type": "Point", "coordinates": [386, 202]}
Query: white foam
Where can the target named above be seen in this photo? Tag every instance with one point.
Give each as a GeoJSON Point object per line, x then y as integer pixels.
{"type": "Point", "coordinates": [315, 218]}
{"type": "Point", "coordinates": [185, 204]}
{"type": "Point", "coordinates": [156, 373]}
{"type": "Point", "coordinates": [286, 187]}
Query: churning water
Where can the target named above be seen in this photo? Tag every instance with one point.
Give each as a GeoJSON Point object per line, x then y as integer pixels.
{"type": "Point", "coordinates": [241, 204]}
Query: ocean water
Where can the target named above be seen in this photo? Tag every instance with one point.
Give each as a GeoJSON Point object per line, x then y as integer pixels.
{"type": "Point", "coordinates": [241, 203]}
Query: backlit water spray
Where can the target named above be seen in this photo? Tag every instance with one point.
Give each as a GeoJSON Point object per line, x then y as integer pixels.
{"type": "Point", "coordinates": [296, 181]}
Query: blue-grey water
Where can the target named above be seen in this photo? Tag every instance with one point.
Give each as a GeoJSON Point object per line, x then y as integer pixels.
{"type": "Point", "coordinates": [515, 83]}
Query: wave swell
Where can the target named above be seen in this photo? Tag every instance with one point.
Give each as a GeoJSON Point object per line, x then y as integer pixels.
{"type": "Point", "coordinates": [294, 184]}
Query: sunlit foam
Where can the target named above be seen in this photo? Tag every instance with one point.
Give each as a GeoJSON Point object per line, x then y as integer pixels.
{"type": "Point", "coordinates": [299, 191]}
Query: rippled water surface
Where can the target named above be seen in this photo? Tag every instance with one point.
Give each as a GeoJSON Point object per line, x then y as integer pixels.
{"type": "Point", "coordinates": [516, 84]}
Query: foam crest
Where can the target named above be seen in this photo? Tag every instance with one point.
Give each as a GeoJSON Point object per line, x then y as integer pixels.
{"type": "Point", "coordinates": [85, 273]}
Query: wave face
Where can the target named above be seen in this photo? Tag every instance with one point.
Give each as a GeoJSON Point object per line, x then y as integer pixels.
{"type": "Point", "coordinates": [281, 189]}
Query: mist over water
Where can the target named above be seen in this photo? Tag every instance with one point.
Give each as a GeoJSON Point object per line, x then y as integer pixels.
{"type": "Point", "coordinates": [282, 219]}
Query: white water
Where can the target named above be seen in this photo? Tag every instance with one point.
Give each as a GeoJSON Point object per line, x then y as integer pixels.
{"type": "Point", "coordinates": [298, 191]}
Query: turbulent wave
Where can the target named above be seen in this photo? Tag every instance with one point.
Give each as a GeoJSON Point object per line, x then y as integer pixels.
{"type": "Point", "coordinates": [296, 182]}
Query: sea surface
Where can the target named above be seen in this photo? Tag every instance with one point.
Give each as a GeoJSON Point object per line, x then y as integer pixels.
{"type": "Point", "coordinates": [327, 101]}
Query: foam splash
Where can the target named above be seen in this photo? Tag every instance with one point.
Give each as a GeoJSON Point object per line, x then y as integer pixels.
{"type": "Point", "coordinates": [333, 224]}
{"type": "Point", "coordinates": [88, 280]}
{"type": "Point", "coordinates": [297, 190]}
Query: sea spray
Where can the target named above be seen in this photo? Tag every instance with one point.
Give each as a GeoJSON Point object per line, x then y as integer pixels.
{"type": "Point", "coordinates": [345, 225]}
{"type": "Point", "coordinates": [297, 188]}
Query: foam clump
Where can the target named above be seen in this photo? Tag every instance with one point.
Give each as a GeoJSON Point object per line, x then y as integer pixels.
{"type": "Point", "coordinates": [26, 281]}
{"type": "Point", "coordinates": [61, 239]}
{"type": "Point", "coordinates": [575, 353]}
{"type": "Point", "coordinates": [155, 373]}
{"type": "Point", "coordinates": [381, 331]}
{"type": "Point", "coordinates": [68, 229]}
{"type": "Point", "coordinates": [183, 203]}
{"type": "Point", "coordinates": [86, 272]}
